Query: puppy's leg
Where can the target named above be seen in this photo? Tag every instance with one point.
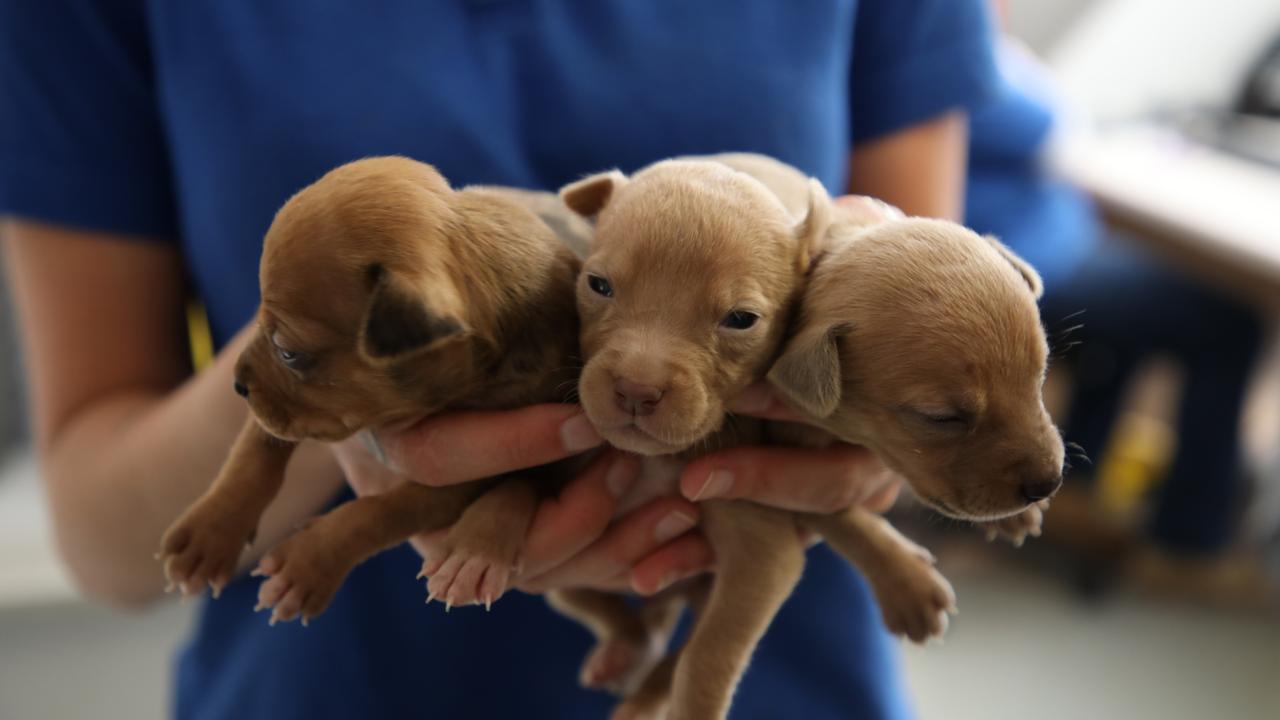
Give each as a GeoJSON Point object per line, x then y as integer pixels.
{"type": "Point", "coordinates": [204, 544]}
{"type": "Point", "coordinates": [759, 558]}
{"type": "Point", "coordinates": [308, 567]}
{"type": "Point", "coordinates": [474, 562]}
{"type": "Point", "coordinates": [914, 597]}
{"type": "Point", "coordinates": [651, 699]}
{"type": "Point", "coordinates": [629, 639]}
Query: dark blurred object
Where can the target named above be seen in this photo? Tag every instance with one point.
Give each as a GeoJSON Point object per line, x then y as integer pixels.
{"type": "Point", "coordinates": [1261, 94]}
{"type": "Point", "coordinates": [1251, 127]}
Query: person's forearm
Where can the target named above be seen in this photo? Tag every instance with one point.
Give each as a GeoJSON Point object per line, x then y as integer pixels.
{"type": "Point", "coordinates": [125, 466]}
{"type": "Point", "coordinates": [920, 169]}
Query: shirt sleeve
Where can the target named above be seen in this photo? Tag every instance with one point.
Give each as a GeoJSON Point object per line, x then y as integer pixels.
{"type": "Point", "coordinates": [916, 59]}
{"type": "Point", "coordinates": [81, 142]}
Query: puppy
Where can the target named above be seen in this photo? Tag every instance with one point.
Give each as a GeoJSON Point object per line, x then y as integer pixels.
{"type": "Point", "coordinates": [387, 297]}
{"type": "Point", "coordinates": [691, 281]}
{"type": "Point", "coordinates": [684, 299]}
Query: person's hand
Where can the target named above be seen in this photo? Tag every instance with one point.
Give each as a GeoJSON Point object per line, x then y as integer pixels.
{"type": "Point", "coordinates": [867, 210]}
{"type": "Point", "coordinates": [803, 479]}
{"type": "Point", "coordinates": [573, 540]}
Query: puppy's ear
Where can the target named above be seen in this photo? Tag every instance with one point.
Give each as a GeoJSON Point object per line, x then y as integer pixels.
{"type": "Point", "coordinates": [812, 230]}
{"type": "Point", "coordinates": [1022, 266]}
{"type": "Point", "coordinates": [399, 321]}
{"type": "Point", "coordinates": [808, 372]}
{"type": "Point", "coordinates": [588, 196]}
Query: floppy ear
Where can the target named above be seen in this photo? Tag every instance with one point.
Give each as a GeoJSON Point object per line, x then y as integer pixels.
{"type": "Point", "coordinates": [1022, 266]}
{"type": "Point", "coordinates": [399, 321]}
{"type": "Point", "coordinates": [588, 196]}
{"type": "Point", "coordinates": [812, 230]}
{"type": "Point", "coordinates": [808, 372]}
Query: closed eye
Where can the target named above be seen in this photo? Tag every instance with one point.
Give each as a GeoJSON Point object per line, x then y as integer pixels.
{"type": "Point", "coordinates": [939, 419]}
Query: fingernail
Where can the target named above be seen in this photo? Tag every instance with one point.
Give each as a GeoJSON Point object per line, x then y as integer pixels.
{"type": "Point", "coordinates": [716, 485]}
{"type": "Point", "coordinates": [673, 525]}
{"type": "Point", "coordinates": [622, 473]}
{"type": "Point", "coordinates": [754, 399]}
{"type": "Point", "coordinates": [577, 434]}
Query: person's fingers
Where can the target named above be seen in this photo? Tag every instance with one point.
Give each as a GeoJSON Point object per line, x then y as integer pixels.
{"type": "Point", "coordinates": [801, 479]}
{"type": "Point", "coordinates": [761, 400]}
{"type": "Point", "coordinates": [566, 524]}
{"type": "Point", "coordinates": [629, 540]}
{"type": "Point", "coordinates": [364, 473]}
{"type": "Point", "coordinates": [883, 499]}
{"type": "Point", "coordinates": [462, 446]}
{"type": "Point", "coordinates": [868, 209]}
{"type": "Point", "coordinates": [683, 557]}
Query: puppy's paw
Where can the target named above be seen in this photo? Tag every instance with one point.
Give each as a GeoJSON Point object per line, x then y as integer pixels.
{"type": "Point", "coordinates": [915, 599]}
{"type": "Point", "coordinates": [1016, 528]}
{"type": "Point", "coordinates": [610, 663]}
{"type": "Point", "coordinates": [468, 570]}
{"type": "Point", "coordinates": [202, 547]}
{"type": "Point", "coordinates": [303, 574]}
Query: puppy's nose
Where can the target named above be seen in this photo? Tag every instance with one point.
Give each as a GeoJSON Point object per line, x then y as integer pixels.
{"type": "Point", "coordinates": [241, 389]}
{"type": "Point", "coordinates": [1037, 490]}
{"type": "Point", "coordinates": [635, 398]}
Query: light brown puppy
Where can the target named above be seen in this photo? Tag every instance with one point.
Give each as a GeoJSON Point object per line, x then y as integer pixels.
{"type": "Point", "coordinates": [684, 298]}
{"type": "Point", "coordinates": [921, 340]}
{"type": "Point", "coordinates": [387, 296]}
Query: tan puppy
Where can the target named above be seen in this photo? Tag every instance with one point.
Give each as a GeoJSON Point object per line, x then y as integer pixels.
{"type": "Point", "coordinates": [386, 297]}
{"type": "Point", "coordinates": [684, 299]}
{"type": "Point", "coordinates": [921, 340]}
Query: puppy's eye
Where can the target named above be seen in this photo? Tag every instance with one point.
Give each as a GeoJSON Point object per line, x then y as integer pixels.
{"type": "Point", "coordinates": [599, 285]}
{"type": "Point", "coordinates": [294, 360]}
{"type": "Point", "coordinates": [946, 420]}
{"type": "Point", "coordinates": [739, 320]}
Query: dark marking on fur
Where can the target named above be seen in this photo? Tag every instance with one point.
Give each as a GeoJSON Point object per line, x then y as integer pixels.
{"type": "Point", "coordinates": [399, 323]}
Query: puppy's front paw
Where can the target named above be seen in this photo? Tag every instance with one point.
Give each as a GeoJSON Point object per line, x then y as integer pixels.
{"type": "Point", "coordinates": [469, 570]}
{"type": "Point", "coordinates": [1017, 527]}
{"type": "Point", "coordinates": [303, 573]}
{"type": "Point", "coordinates": [202, 547]}
{"type": "Point", "coordinates": [915, 599]}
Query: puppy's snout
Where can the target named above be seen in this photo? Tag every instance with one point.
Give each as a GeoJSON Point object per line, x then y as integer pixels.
{"type": "Point", "coordinates": [1037, 490]}
{"type": "Point", "coordinates": [241, 389]}
{"type": "Point", "coordinates": [636, 398]}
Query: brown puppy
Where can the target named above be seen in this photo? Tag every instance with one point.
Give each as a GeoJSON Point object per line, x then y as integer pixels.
{"type": "Point", "coordinates": [387, 296]}
{"type": "Point", "coordinates": [684, 300]}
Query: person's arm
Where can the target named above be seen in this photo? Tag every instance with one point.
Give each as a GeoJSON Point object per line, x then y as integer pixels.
{"type": "Point", "coordinates": [920, 169]}
{"type": "Point", "coordinates": [125, 436]}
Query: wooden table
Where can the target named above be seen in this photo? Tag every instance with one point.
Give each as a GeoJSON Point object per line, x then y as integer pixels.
{"type": "Point", "coordinates": [1214, 213]}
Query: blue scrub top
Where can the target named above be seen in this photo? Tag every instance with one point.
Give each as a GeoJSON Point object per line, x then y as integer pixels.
{"type": "Point", "coordinates": [1010, 194]}
{"type": "Point", "coordinates": [191, 122]}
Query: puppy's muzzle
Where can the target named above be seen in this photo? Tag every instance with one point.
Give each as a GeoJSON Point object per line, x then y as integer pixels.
{"type": "Point", "coordinates": [636, 399]}
{"type": "Point", "coordinates": [1037, 490]}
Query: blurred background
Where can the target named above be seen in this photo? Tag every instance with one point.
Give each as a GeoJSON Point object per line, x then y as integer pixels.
{"type": "Point", "coordinates": [1152, 593]}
